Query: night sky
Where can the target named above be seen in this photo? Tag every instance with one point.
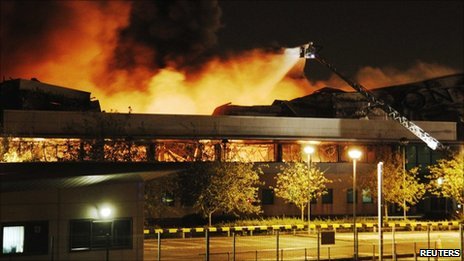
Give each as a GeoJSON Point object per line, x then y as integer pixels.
{"type": "Point", "coordinates": [354, 34]}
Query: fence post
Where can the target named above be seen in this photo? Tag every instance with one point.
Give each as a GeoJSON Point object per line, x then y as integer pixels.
{"type": "Point", "coordinates": [373, 252]}
{"type": "Point", "coordinates": [233, 248]}
{"type": "Point", "coordinates": [207, 243]}
{"type": "Point", "coordinates": [461, 236]}
{"type": "Point", "coordinates": [393, 243]}
{"type": "Point", "coordinates": [415, 251]}
{"type": "Point", "coordinates": [159, 245]}
{"type": "Point", "coordinates": [318, 243]}
{"type": "Point", "coordinates": [428, 238]}
{"type": "Point", "coordinates": [256, 255]}
{"type": "Point", "coordinates": [277, 245]}
{"type": "Point", "coordinates": [328, 253]}
{"type": "Point", "coordinates": [282, 254]}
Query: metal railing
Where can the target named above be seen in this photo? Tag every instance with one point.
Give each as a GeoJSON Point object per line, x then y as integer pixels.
{"type": "Point", "coordinates": [282, 244]}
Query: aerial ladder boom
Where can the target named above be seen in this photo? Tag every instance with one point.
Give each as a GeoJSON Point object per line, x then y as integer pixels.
{"type": "Point", "coordinates": [309, 51]}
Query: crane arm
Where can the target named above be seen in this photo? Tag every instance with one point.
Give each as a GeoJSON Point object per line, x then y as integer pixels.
{"type": "Point", "coordinates": [309, 51]}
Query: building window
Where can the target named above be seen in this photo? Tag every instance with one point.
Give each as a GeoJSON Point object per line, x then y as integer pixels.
{"type": "Point", "coordinates": [97, 234]}
{"type": "Point", "coordinates": [366, 196]}
{"type": "Point", "coordinates": [24, 238]}
{"type": "Point", "coordinates": [80, 234]}
{"type": "Point", "coordinates": [267, 196]}
{"type": "Point", "coordinates": [328, 197]}
{"type": "Point", "coordinates": [13, 240]}
{"type": "Point", "coordinates": [349, 196]}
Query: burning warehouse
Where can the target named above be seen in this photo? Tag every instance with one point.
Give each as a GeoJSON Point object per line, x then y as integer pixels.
{"type": "Point", "coordinates": [73, 177]}
{"type": "Point", "coordinates": [64, 146]}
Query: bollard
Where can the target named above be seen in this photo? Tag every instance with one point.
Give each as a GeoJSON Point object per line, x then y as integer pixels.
{"type": "Point", "coordinates": [256, 255]}
{"type": "Point", "coordinates": [328, 253]}
{"type": "Point", "coordinates": [415, 251]}
{"type": "Point", "coordinates": [228, 256]}
{"type": "Point", "coordinates": [282, 254]}
{"type": "Point", "coordinates": [306, 255]}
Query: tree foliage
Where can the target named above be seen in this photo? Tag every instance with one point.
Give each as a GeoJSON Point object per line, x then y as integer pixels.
{"type": "Point", "coordinates": [228, 187]}
{"type": "Point", "coordinates": [451, 174]}
{"type": "Point", "coordinates": [298, 184]}
{"type": "Point", "coordinates": [209, 187]}
{"type": "Point", "coordinates": [404, 189]}
{"type": "Point", "coordinates": [158, 193]}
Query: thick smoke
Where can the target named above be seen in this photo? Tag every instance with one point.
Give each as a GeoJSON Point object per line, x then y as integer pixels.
{"type": "Point", "coordinates": [25, 27]}
{"type": "Point", "coordinates": [166, 34]}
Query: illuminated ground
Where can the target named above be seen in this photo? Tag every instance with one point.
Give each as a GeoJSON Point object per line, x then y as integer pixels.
{"type": "Point", "coordinates": [264, 246]}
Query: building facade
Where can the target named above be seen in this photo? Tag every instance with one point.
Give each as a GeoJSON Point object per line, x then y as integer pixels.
{"type": "Point", "coordinates": [75, 178]}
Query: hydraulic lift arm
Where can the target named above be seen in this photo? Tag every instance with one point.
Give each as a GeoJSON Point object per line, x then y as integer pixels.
{"type": "Point", "coordinates": [309, 51]}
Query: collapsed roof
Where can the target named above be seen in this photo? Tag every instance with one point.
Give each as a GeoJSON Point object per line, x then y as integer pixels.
{"type": "Point", "coordinates": [437, 99]}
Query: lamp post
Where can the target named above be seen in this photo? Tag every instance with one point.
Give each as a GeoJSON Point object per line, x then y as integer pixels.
{"type": "Point", "coordinates": [354, 155]}
{"type": "Point", "coordinates": [105, 213]}
{"type": "Point", "coordinates": [404, 142]}
{"type": "Point", "coordinates": [309, 150]}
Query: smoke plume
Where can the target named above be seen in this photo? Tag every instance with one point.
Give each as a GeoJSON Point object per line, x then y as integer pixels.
{"type": "Point", "coordinates": [164, 34]}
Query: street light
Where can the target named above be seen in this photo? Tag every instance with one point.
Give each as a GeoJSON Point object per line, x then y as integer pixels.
{"type": "Point", "coordinates": [404, 142]}
{"type": "Point", "coordinates": [309, 150]}
{"type": "Point", "coordinates": [354, 155]}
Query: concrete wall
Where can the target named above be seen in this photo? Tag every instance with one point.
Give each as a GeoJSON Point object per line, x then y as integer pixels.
{"type": "Point", "coordinates": [59, 206]}
{"type": "Point", "coordinates": [85, 124]}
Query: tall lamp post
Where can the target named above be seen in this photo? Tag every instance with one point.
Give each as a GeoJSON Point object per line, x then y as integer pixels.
{"type": "Point", "coordinates": [354, 155]}
{"type": "Point", "coordinates": [404, 142]}
{"type": "Point", "coordinates": [309, 150]}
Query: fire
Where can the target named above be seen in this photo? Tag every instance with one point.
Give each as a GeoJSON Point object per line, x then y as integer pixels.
{"type": "Point", "coordinates": [79, 55]}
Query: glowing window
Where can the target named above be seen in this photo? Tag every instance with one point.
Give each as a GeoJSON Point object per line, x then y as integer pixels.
{"type": "Point", "coordinates": [13, 240]}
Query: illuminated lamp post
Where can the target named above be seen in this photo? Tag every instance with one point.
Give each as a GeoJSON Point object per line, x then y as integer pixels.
{"type": "Point", "coordinates": [309, 150]}
{"type": "Point", "coordinates": [355, 155]}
